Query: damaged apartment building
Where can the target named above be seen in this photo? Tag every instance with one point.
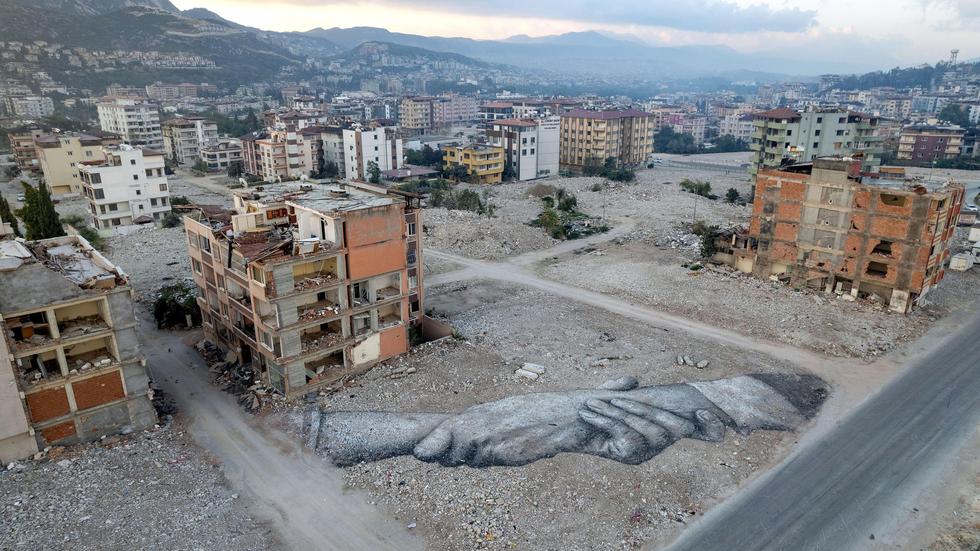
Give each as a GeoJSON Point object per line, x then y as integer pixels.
{"type": "Point", "coordinates": [309, 283]}
{"type": "Point", "coordinates": [826, 226]}
{"type": "Point", "coordinates": [71, 369]}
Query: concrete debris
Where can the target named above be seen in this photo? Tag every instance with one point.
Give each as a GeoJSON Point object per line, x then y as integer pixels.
{"type": "Point", "coordinates": [521, 372]}
{"type": "Point", "coordinates": [148, 490]}
{"type": "Point", "coordinates": [533, 368]}
{"type": "Point", "coordinates": [702, 364]}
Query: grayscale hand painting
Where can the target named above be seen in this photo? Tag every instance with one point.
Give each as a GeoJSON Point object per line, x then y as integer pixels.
{"type": "Point", "coordinates": [620, 420]}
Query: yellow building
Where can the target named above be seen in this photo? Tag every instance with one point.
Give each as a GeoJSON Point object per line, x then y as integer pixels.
{"type": "Point", "coordinates": [588, 138]}
{"type": "Point", "coordinates": [60, 154]}
{"type": "Point", "coordinates": [486, 162]}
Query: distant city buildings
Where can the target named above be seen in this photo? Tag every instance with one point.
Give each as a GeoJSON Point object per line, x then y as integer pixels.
{"type": "Point", "coordinates": [482, 164]}
{"type": "Point", "coordinates": [136, 121]}
{"type": "Point", "coordinates": [786, 134]}
{"type": "Point", "coordinates": [531, 146]}
{"type": "Point", "coordinates": [588, 138]}
{"type": "Point", "coordinates": [366, 145]}
{"type": "Point", "coordinates": [922, 144]}
{"type": "Point", "coordinates": [185, 137]}
{"type": "Point", "coordinates": [59, 156]}
{"type": "Point", "coordinates": [25, 153]}
{"type": "Point", "coordinates": [423, 114]}
{"type": "Point", "coordinates": [29, 107]}
{"type": "Point", "coordinates": [125, 186]}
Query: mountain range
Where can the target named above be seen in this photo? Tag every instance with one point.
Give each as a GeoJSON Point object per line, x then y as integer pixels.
{"type": "Point", "coordinates": [250, 53]}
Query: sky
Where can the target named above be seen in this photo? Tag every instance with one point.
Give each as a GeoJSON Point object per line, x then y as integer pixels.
{"type": "Point", "coordinates": [872, 33]}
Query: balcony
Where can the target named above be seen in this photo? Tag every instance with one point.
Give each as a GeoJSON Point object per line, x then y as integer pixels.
{"type": "Point", "coordinates": [324, 336]}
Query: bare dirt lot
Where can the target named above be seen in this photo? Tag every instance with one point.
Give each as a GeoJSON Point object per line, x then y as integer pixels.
{"type": "Point", "coordinates": [151, 490]}
{"type": "Point", "coordinates": [571, 501]}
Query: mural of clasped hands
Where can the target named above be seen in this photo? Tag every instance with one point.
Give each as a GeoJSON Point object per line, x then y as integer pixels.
{"type": "Point", "coordinates": [620, 420]}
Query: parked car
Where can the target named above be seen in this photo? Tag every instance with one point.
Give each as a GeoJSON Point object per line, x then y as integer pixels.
{"type": "Point", "coordinates": [21, 198]}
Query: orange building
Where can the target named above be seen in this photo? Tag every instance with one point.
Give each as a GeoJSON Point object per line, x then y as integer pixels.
{"type": "Point", "coordinates": [308, 284]}
{"type": "Point", "coordinates": [824, 225]}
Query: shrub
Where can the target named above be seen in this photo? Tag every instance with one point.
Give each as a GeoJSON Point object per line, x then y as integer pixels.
{"type": "Point", "coordinates": [171, 220]}
{"type": "Point", "coordinates": [596, 187]}
{"type": "Point", "coordinates": [541, 190]}
{"type": "Point", "coordinates": [174, 303]}
{"type": "Point", "coordinates": [697, 187]}
{"type": "Point", "coordinates": [180, 200]}
{"type": "Point", "coordinates": [731, 195]}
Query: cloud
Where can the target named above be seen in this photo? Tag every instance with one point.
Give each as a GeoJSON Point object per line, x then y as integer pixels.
{"type": "Point", "coordinates": [951, 14]}
{"type": "Point", "coordinates": [714, 16]}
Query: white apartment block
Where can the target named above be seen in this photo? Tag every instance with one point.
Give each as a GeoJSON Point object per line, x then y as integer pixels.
{"type": "Point", "coordinates": [31, 107]}
{"type": "Point", "coordinates": [531, 146]}
{"type": "Point", "coordinates": [136, 121]}
{"type": "Point", "coordinates": [185, 137]}
{"type": "Point", "coordinates": [219, 155]}
{"type": "Point", "coordinates": [738, 126]}
{"type": "Point", "coordinates": [126, 186]}
{"type": "Point", "coordinates": [363, 146]}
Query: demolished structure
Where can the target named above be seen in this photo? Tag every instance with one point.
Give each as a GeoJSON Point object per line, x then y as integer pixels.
{"type": "Point", "coordinates": [826, 226]}
{"type": "Point", "coordinates": [309, 283]}
{"type": "Point", "coordinates": [71, 369]}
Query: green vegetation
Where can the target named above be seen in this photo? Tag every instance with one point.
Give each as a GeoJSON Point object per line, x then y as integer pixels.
{"type": "Point", "coordinates": [7, 215]}
{"type": "Point", "coordinates": [708, 234]}
{"type": "Point", "coordinates": [698, 187]}
{"type": "Point", "coordinates": [610, 169]}
{"type": "Point", "coordinates": [911, 77]}
{"type": "Point", "coordinates": [200, 166]}
{"type": "Point", "coordinates": [12, 171]}
{"type": "Point", "coordinates": [560, 218]}
{"type": "Point", "coordinates": [174, 303]}
{"type": "Point", "coordinates": [374, 173]}
{"type": "Point", "coordinates": [426, 157]}
{"type": "Point", "coordinates": [171, 220]}
{"type": "Point", "coordinates": [85, 230]}
{"type": "Point", "coordinates": [731, 195]}
{"type": "Point", "coordinates": [442, 195]}
{"type": "Point", "coordinates": [236, 169]}
{"type": "Point", "coordinates": [728, 144]}
{"type": "Point", "coordinates": [956, 114]}
{"type": "Point", "coordinates": [179, 200]}
{"type": "Point", "coordinates": [668, 141]}
{"type": "Point", "coordinates": [41, 221]}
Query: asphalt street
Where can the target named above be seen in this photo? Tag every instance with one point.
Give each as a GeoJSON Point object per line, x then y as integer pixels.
{"type": "Point", "coordinates": [852, 488]}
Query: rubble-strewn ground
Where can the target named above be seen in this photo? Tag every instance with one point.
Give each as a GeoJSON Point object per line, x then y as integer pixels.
{"type": "Point", "coordinates": [152, 258]}
{"type": "Point", "coordinates": [571, 501]}
{"type": "Point", "coordinates": [654, 202]}
{"type": "Point", "coordinates": [151, 490]}
{"type": "Point", "coordinates": [727, 298]}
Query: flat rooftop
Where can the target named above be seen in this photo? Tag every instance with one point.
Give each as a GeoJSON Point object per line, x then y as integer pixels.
{"type": "Point", "coordinates": [325, 198]}
{"type": "Point", "coordinates": [36, 274]}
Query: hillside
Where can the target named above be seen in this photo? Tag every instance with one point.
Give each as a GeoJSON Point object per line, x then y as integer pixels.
{"type": "Point", "coordinates": [379, 53]}
{"type": "Point", "coordinates": [238, 54]}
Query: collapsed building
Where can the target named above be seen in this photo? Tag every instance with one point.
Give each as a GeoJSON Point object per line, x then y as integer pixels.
{"type": "Point", "coordinates": [71, 368]}
{"type": "Point", "coordinates": [826, 226]}
{"type": "Point", "coordinates": [309, 283]}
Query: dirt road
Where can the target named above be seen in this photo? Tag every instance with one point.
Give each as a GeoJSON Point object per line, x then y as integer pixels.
{"type": "Point", "coordinates": [288, 486]}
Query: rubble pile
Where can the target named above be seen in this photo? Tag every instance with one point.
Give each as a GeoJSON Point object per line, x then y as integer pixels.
{"type": "Point", "coordinates": [149, 490]}
{"type": "Point", "coordinates": [81, 326]}
{"type": "Point", "coordinates": [151, 257]}
{"type": "Point", "coordinates": [471, 235]}
{"type": "Point", "coordinates": [314, 282]}
{"type": "Point", "coordinates": [319, 312]}
{"type": "Point", "coordinates": [234, 378]}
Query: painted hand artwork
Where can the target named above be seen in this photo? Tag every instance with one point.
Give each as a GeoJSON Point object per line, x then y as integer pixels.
{"type": "Point", "coordinates": [620, 420]}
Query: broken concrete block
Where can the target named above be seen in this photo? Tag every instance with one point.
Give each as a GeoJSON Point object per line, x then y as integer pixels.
{"type": "Point", "coordinates": [86, 365]}
{"type": "Point", "coordinates": [680, 360]}
{"type": "Point", "coordinates": [689, 361]}
{"type": "Point", "coordinates": [521, 372]}
{"type": "Point", "coordinates": [533, 368]}
{"type": "Point", "coordinates": [702, 364]}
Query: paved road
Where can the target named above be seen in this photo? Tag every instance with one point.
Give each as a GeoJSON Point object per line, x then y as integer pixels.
{"type": "Point", "coordinates": [294, 491]}
{"type": "Point", "coordinates": [862, 478]}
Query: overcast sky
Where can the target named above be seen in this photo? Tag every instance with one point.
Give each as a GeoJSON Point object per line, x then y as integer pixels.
{"type": "Point", "coordinates": [873, 33]}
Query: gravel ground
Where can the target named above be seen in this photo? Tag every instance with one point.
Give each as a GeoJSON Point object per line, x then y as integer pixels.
{"type": "Point", "coordinates": [570, 501]}
{"type": "Point", "coordinates": [152, 490]}
{"type": "Point", "coordinates": [655, 277]}
{"type": "Point", "coordinates": [654, 202]}
{"type": "Point", "coordinates": [152, 257]}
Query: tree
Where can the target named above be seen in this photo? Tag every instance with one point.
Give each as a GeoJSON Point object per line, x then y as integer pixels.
{"type": "Point", "coordinates": [12, 171]}
{"type": "Point", "coordinates": [200, 165]}
{"type": "Point", "coordinates": [374, 173]}
{"type": "Point", "coordinates": [726, 144]}
{"type": "Point", "coordinates": [330, 170]}
{"type": "Point", "coordinates": [697, 187]}
{"type": "Point", "coordinates": [731, 195]}
{"type": "Point", "coordinates": [41, 221]}
{"type": "Point", "coordinates": [668, 141]}
{"type": "Point", "coordinates": [956, 114]}
{"type": "Point", "coordinates": [7, 215]}
{"type": "Point", "coordinates": [236, 169]}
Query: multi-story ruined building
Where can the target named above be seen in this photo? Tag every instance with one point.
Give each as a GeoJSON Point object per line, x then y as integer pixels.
{"type": "Point", "coordinates": [70, 363]}
{"type": "Point", "coordinates": [309, 283]}
{"type": "Point", "coordinates": [823, 225]}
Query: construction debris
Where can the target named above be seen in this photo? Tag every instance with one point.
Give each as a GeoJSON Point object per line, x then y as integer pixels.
{"type": "Point", "coordinates": [234, 378]}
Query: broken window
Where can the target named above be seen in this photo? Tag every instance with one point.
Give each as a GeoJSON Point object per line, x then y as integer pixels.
{"type": "Point", "coordinates": [883, 248]}
{"type": "Point", "coordinates": [877, 269]}
{"type": "Point", "coordinates": [893, 200]}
